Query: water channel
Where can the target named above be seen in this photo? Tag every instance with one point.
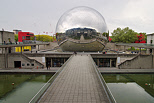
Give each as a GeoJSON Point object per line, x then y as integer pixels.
{"type": "Point", "coordinates": [20, 88]}
{"type": "Point", "coordinates": [131, 88]}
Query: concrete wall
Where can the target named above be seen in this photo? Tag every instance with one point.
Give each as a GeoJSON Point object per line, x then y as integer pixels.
{"type": "Point", "coordinates": [2, 62]}
{"type": "Point", "coordinates": [138, 62]}
{"type": "Point", "coordinates": [149, 38]}
{"type": "Point", "coordinates": [52, 45]}
{"type": "Point", "coordinates": [6, 36]}
{"type": "Point", "coordinates": [112, 46]}
{"type": "Point", "coordinates": [39, 59]}
{"type": "Point", "coordinates": [123, 59]}
{"type": "Point", "coordinates": [18, 57]}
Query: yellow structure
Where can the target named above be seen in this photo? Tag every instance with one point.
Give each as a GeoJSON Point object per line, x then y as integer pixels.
{"type": "Point", "coordinates": [25, 48]}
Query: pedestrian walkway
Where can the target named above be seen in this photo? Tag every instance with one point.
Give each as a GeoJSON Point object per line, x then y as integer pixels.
{"type": "Point", "coordinates": [77, 83]}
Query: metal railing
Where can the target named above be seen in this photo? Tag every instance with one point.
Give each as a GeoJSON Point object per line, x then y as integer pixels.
{"type": "Point", "coordinates": [103, 83]}
{"type": "Point", "coordinates": [46, 86]}
{"type": "Point", "coordinates": [19, 43]}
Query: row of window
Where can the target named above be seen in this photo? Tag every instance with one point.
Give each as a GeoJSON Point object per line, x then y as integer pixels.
{"type": "Point", "coordinates": [32, 64]}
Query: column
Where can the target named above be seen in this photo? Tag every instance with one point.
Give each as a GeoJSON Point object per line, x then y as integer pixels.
{"type": "Point", "coordinates": [140, 51]}
{"type": "Point", "coordinates": [44, 47]}
{"type": "Point", "coordinates": [98, 62]}
{"type": "Point", "coordinates": [124, 48]}
{"type": "Point", "coordinates": [152, 58]}
{"type": "Point", "coordinates": [5, 59]}
{"type": "Point", "coordinates": [64, 60]}
{"type": "Point", "coordinates": [21, 49]}
{"type": "Point", "coordinates": [115, 47]}
{"type": "Point", "coordinates": [51, 62]}
{"type": "Point", "coordinates": [110, 62]}
{"type": "Point", "coordinates": [2, 50]}
{"type": "Point", "coordinates": [38, 47]}
{"type": "Point", "coordinates": [31, 49]}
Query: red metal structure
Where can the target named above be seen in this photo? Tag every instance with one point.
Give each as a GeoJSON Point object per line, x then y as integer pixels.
{"type": "Point", "coordinates": [24, 36]}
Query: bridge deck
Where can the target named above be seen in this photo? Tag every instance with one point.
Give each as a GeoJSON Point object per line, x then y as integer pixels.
{"type": "Point", "coordinates": [77, 83]}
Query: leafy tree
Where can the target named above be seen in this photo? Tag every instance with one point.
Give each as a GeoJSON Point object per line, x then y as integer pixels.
{"type": "Point", "coordinates": [44, 38]}
{"type": "Point", "coordinates": [16, 37]}
{"type": "Point", "coordinates": [144, 36]}
{"type": "Point", "coordinates": [106, 34]}
{"type": "Point", "coordinates": [125, 35]}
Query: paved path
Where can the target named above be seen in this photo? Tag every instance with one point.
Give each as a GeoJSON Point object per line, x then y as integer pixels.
{"type": "Point", "coordinates": [77, 83]}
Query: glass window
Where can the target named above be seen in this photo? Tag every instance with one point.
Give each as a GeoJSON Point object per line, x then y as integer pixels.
{"type": "Point", "coordinates": [23, 37]}
{"type": "Point", "coordinates": [23, 64]}
{"type": "Point", "coordinates": [104, 62]}
{"type": "Point", "coordinates": [27, 64]}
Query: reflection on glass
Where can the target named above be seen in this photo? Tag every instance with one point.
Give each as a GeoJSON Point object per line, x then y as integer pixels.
{"type": "Point", "coordinates": [80, 26]}
{"type": "Point", "coordinates": [131, 88]}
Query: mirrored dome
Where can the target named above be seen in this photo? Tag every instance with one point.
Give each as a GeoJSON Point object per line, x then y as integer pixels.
{"type": "Point", "coordinates": [81, 17]}
{"type": "Point", "coordinates": [81, 29]}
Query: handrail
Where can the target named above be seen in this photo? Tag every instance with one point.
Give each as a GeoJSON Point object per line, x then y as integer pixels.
{"type": "Point", "coordinates": [31, 60]}
{"type": "Point", "coordinates": [119, 66]}
{"type": "Point", "coordinates": [46, 86]}
{"type": "Point", "coordinates": [103, 83]}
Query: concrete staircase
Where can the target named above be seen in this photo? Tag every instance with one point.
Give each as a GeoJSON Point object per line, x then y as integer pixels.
{"type": "Point", "coordinates": [38, 64]}
{"type": "Point", "coordinates": [138, 62]}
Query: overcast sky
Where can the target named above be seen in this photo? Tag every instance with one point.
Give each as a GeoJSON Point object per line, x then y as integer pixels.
{"type": "Point", "coordinates": [42, 15]}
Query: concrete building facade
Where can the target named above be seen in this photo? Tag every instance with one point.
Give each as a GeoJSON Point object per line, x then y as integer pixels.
{"type": "Point", "coordinates": [6, 37]}
{"type": "Point", "coordinates": [150, 38]}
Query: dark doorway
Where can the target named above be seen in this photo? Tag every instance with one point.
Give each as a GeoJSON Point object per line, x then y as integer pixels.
{"type": "Point", "coordinates": [17, 64]}
{"type": "Point", "coordinates": [10, 50]}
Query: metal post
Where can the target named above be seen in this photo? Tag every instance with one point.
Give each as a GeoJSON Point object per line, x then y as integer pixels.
{"type": "Point", "coordinates": [140, 50]}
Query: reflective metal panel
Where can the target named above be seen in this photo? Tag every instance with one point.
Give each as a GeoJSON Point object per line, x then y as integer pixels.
{"type": "Point", "coordinates": [82, 26]}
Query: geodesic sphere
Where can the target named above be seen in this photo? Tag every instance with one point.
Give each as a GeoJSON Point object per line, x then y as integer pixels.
{"type": "Point", "coordinates": [81, 29]}
{"type": "Point", "coordinates": [81, 17]}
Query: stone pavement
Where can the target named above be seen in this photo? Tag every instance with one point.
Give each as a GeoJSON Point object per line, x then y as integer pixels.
{"type": "Point", "coordinates": [77, 83]}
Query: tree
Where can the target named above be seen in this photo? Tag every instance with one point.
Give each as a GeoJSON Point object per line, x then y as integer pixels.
{"type": "Point", "coordinates": [44, 38]}
{"type": "Point", "coordinates": [144, 36]}
{"type": "Point", "coordinates": [16, 37]}
{"type": "Point", "coordinates": [125, 35]}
